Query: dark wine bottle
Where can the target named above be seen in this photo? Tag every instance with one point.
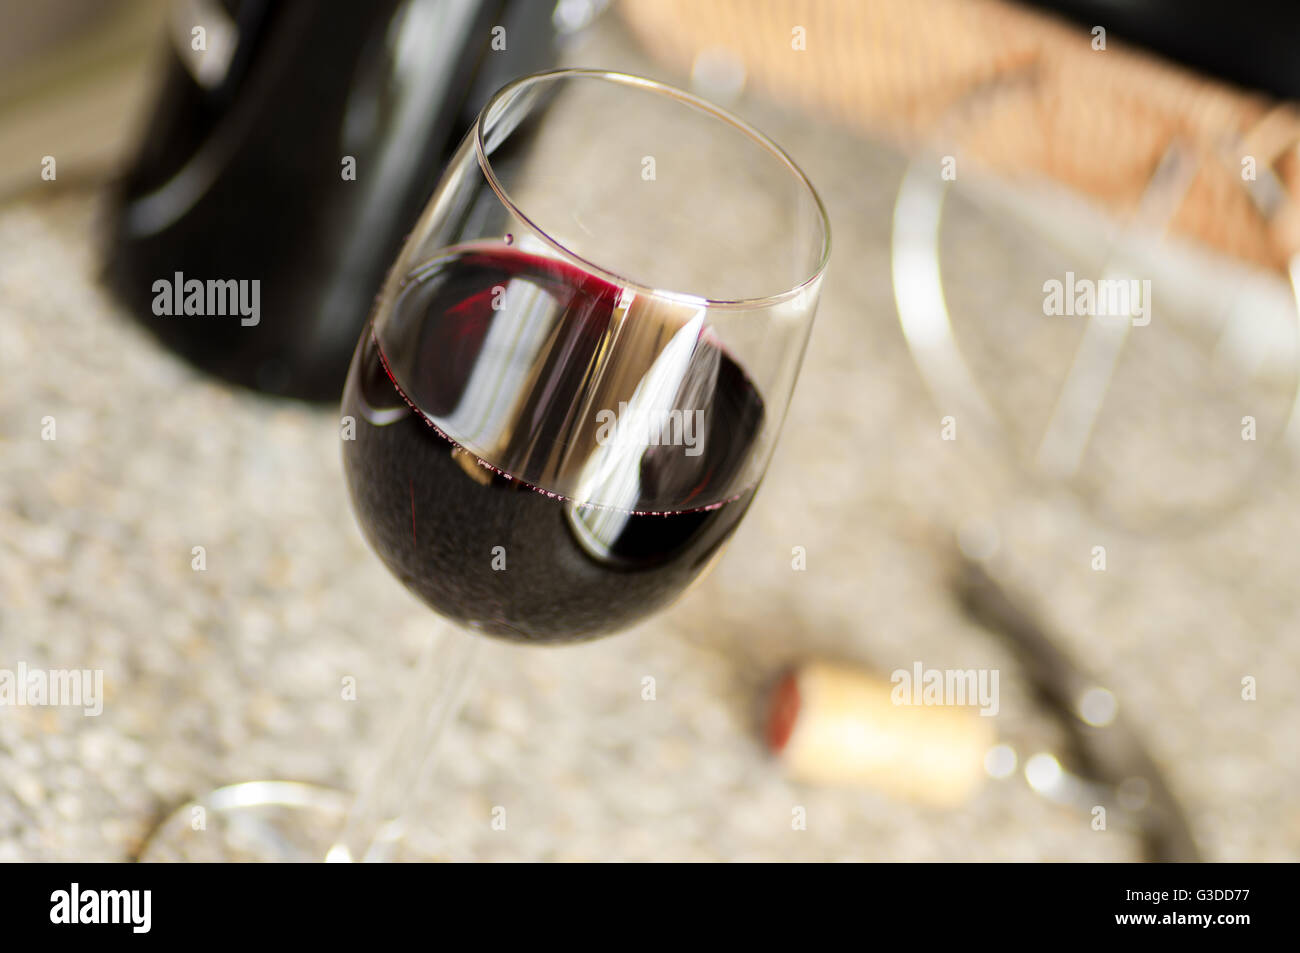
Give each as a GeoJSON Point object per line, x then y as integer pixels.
{"type": "Point", "coordinates": [295, 150]}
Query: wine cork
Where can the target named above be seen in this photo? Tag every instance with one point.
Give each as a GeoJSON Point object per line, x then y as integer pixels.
{"type": "Point", "coordinates": [836, 725]}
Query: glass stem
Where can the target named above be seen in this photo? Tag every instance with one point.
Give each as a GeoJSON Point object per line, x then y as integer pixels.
{"type": "Point", "coordinates": [433, 700]}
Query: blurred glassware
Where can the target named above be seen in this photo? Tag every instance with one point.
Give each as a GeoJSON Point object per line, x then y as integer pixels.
{"type": "Point", "coordinates": [1163, 413]}
{"type": "Point", "coordinates": [1162, 410]}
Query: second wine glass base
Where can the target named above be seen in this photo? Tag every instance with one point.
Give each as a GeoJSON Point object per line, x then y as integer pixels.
{"type": "Point", "coordinates": [268, 822]}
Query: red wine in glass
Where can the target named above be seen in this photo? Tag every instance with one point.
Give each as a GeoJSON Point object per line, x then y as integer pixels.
{"type": "Point", "coordinates": [544, 437]}
{"type": "Point", "coordinates": [480, 472]}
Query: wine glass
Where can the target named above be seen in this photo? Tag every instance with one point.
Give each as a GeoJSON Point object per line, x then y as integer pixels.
{"type": "Point", "coordinates": [571, 385]}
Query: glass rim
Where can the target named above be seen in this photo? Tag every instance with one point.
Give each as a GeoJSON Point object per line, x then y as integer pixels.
{"type": "Point", "coordinates": [627, 79]}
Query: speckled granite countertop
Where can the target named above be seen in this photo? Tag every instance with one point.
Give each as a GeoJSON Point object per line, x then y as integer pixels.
{"type": "Point", "coordinates": [234, 673]}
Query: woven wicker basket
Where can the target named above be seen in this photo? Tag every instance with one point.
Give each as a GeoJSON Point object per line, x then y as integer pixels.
{"type": "Point", "coordinates": [1015, 91]}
